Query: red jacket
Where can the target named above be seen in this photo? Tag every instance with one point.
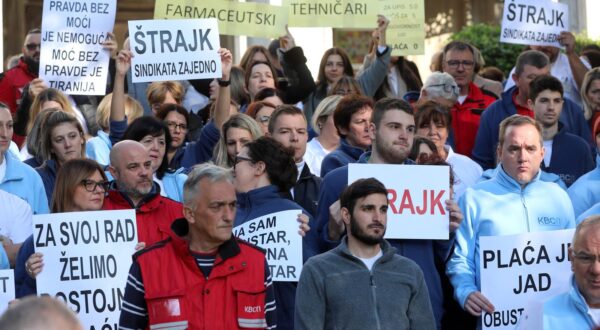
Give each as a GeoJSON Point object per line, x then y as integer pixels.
{"type": "Point", "coordinates": [11, 86]}
{"type": "Point", "coordinates": [466, 116]}
{"type": "Point", "coordinates": [154, 215]}
{"type": "Point", "coordinates": [178, 294]}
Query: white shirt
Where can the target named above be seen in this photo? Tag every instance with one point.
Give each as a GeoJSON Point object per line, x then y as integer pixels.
{"type": "Point", "coordinates": [15, 218]}
{"type": "Point", "coordinates": [595, 315]}
{"type": "Point", "coordinates": [548, 152]}
{"type": "Point", "coordinates": [3, 168]}
{"type": "Point", "coordinates": [314, 156]}
{"type": "Point", "coordinates": [466, 171]}
{"type": "Point", "coordinates": [462, 98]}
{"type": "Point", "coordinates": [369, 262]}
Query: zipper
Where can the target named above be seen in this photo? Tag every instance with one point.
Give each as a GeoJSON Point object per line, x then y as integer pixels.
{"type": "Point", "coordinates": [374, 294]}
{"type": "Point", "coordinates": [525, 209]}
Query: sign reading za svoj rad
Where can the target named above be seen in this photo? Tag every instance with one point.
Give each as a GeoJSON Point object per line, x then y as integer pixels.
{"type": "Point", "coordinates": [534, 22]}
{"type": "Point", "coordinates": [72, 58]}
{"type": "Point", "coordinates": [519, 272]}
{"type": "Point", "coordinates": [417, 197]}
{"type": "Point", "coordinates": [277, 233]}
{"type": "Point", "coordinates": [174, 49]}
{"type": "Point", "coordinates": [7, 288]}
{"type": "Point", "coordinates": [87, 256]}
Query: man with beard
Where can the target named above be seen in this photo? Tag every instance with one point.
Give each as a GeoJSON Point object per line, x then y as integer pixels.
{"type": "Point", "coordinates": [392, 131]}
{"type": "Point", "coordinates": [133, 188]}
{"type": "Point", "coordinates": [363, 283]}
{"type": "Point", "coordinates": [14, 80]}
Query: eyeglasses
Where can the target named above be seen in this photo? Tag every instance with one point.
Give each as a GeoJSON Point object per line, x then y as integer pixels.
{"type": "Point", "coordinates": [173, 125]}
{"type": "Point", "coordinates": [90, 185]}
{"type": "Point", "coordinates": [239, 159]}
{"type": "Point", "coordinates": [447, 88]}
{"type": "Point", "coordinates": [454, 64]}
{"type": "Point", "coordinates": [264, 119]}
{"type": "Point", "coordinates": [32, 47]}
{"type": "Point", "coordinates": [586, 259]}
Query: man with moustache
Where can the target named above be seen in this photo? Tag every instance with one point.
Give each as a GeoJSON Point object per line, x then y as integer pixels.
{"type": "Point", "coordinates": [363, 283]}
{"type": "Point", "coordinates": [133, 188]}
{"type": "Point", "coordinates": [392, 130]}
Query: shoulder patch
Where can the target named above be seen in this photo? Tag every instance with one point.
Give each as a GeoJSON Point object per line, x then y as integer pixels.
{"type": "Point", "coordinates": [241, 241]}
{"type": "Point", "coordinates": [154, 246]}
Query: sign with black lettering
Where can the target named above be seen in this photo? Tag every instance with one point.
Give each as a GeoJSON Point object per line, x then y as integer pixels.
{"type": "Point", "coordinates": [7, 288]}
{"type": "Point", "coordinates": [352, 14]}
{"type": "Point", "coordinates": [406, 33]}
{"type": "Point", "coordinates": [178, 49]}
{"type": "Point", "coordinates": [72, 58]}
{"type": "Point", "coordinates": [519, 270]}
{"type": "Point", "coordinates": [277, 233]}
{"type": "Point", "coordinates": [86, 256]}
{"type": "Point", "coordinates": [534, 22]}
{"type": "Point", "coordinates": [417, 197]}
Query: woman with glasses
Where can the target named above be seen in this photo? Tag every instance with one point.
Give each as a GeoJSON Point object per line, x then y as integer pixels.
{"type": "Point", "coordinates": [235, 134]}
{"type": "Point", "coordinates": [80, 186]}
{"type": "Point", "coordinates": [261, 112]}
{"type": "Point", "coordinates": [176, 118]}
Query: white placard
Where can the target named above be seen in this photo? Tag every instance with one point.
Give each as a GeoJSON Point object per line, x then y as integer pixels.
{"type": "Point", "coordinates": [522, 270]}
{"type": "Point", "coordinates": [87, 256]}
{"type": "Point", "coordinates": [417, 198]}
{"type": "Point", "coordinates": [277, 233]}
{"type": "Point", "coordinates": [7, 288]}
{"type": "Point", "coordinates": [72, 58]}
{"type": "Point", "coordinates": [177, 49]}
{"type": "Point", "coordinates": [534, 22]}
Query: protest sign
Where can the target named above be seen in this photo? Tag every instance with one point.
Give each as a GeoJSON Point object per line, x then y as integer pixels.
{"type": "Point", "coordinates": [534, 22]}
{"type": "Point", "coordinates": [87, 256]}
{"type": "Point", "coordinates": [179, 49]}
{"type": "Point", "coordinates": [7, 288]}
{"type": "Point", "coordinates": [235, 18]}
{"type": "Point", "coordinates": [417, 195]}
{"type": "Point", "coordinates": [517, 270]}
{"type": "Point", "coordinates": [277, 233]}
{"type": "Point", "coordinates": [72, 58]}
{"type": "Point", "coordinates": [354, 14]}
{"type": "Point", "coordinates": [406, 32]}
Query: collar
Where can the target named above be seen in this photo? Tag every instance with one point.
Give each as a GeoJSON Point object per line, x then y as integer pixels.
{"type": "Point", "coordinates": [115, 194]}
{"type": "Point", "coordinates": [253, 196]}
{"type": "Point", "coordinates": [300, 166]}
{"type": "Point", "coordinates": [507, 181]}
{"type": "Point", "coordinates": [352, 151]}
{"type": "Point", "coordinates": [365, 157]}
{"type": "Point", "coordinates": [181, 229]}
{"type": "Point", "coordinates": [387, 250]}
{"type": "Point", "coordinates": [14, 169]}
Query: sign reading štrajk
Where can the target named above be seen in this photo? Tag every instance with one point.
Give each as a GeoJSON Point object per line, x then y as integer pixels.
{"type": "Point", "coordinates": [72, 58]}
{"type": "Point", "coordinates": [174, 49]}
{"type": "Point", "coordinates": [277, 233]}
{"type": "Point", "coordinates": [417, 197]}
{"type": "Point", "coordinates": [534, 22]}
{"type": "Point", "coordinates": [519, 270]}
{"type": "Point", "coordinates": [87, 256]}
{"type": "Point", "coordinates": [7, 288]}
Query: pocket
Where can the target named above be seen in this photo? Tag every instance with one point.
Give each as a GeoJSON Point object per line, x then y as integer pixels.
{"type": "Point", "coordinates": [251, 308]}
{"type": "Point", "coordinates": [167, 312]}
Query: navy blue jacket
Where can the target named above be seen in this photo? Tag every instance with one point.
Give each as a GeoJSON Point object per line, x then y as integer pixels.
{"type": "Point", "coordinates": [197, 152]}
{"type": "Point", "coordinates": [24, 284]}
{"type": "Point", "coordinates": [426, 253]}
{"type": "Point", "coordinates": [486, 141]}
{"type": "Point", "coordinates": [571, 157]}
{"type": "Point", "coordinates": [343, 155]}
{"type": "Point", "coordinates": [266, 200]}
{"type": "Point", "coordinates": [48, 174]}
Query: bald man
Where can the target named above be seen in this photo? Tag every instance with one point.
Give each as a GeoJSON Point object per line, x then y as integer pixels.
{"type": "Point", "coordinates": [133, 188]}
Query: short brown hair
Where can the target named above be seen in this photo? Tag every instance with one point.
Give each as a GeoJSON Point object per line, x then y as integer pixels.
{"type": "Point", "coordinates": [157, 91]}
{"type": "Point", "coordinates": [517, 120]}
{"type": "Point", "coordinates": [349, 105]}
{"type": "Point", "coordinates": [284, 109]}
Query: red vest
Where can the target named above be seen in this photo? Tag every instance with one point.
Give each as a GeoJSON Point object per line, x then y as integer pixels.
{"type": "Point", "coordinates": [178, 295]}
{"type": "Point", "coordinates": [465, 119]}
{"type": "Point", "coordinates": [12, 83]}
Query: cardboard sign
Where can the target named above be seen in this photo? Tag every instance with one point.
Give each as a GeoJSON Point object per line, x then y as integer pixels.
{"type": "Point", "coordinates": [7, 288]}
{"type": "Point", "coordinates": [416, 194]}
{"type": "Point", "coordinates": [72, 58]}
{"type": "Point", "coordinates": [518, 270]}
{"type": "Point", "coordinates": [277, 233]}
{"type": "Point", "coordinates": [180, 49]}
{"type": "Point", "coordinates": [235, 18]}
{"type": "Point", "coordinates": [534, 22]}
{"type": "Point", "coordinates": [87, 256]}
{"type": "Point", "coordinates": [354, 14]}
{"type": "Point", "coordinates": [406, 32]}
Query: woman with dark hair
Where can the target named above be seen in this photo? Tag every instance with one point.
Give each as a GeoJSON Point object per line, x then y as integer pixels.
{"type": "Point", "coordinates": [261, 112]}
{"type": "Point", "coordinates": [421, 149]}
{"type": "Point", "coordinates": [263, 170]}
{"type": "Point", "coordinates": [176, 118]}
{"type": "Point", "coordinates": [155, 137]}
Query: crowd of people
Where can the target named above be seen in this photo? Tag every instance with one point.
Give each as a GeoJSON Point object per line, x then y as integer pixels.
{"type": "Point", "coordinates": [197, 158]}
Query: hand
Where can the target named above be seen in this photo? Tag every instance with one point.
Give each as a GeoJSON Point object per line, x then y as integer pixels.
{"type": "Point", "coordinates": [567, 40]}
{"type": "Point", "coordinates": [34, 264]}
{"type": "Point", "coordinates": [226, 62]}
{"type": "Point", "coordinates": [476, 303]}
{"type": "Point", "coordinates": [110, 43]}
{"type": "Point", "coordinates": [336, 224]}
{"type": "Point", "coordinates": [304, 227]}
{"type": "Point", "coordinates": [382, 23]}
{"type": "Point", "coordinates": [123, 62]}
{"type": "Point", "coordinates": [456, 216]}
{"type": "Point", "coordinates": [37, 86]}
{"type": "Point", "coordinates": [6, 241]}
{"type": "Point", "coordinates": [140, 246]}
{"type": "Point", "coordinates": [287, 42]}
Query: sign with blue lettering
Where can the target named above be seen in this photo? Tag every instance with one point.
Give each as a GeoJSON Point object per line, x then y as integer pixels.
{"type": "Point", "coordinates": [177, 49]}
{"type": "Point", "coordinates": [534, 22]}
{"type": "Point", "coordinates": [87, 256]}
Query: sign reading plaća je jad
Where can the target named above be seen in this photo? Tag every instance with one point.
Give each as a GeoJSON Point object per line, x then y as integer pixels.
{"type": "Point", "coordinates": [534, 22]}
{"type": "Point", "coordinates": [7, 288]}
{"type": "Point", "coordinates": [72, 58]}
{"type": "Point", "coordinates": [178, 49]}
{"type": "Point", "coordinates": [519, 271]}
{"type": "Point", "coordinates": [417, 197]}
{"type": "Point", "coordinates": [277, 233]}
{"type": "Point", "coordinates": [87, 256]}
